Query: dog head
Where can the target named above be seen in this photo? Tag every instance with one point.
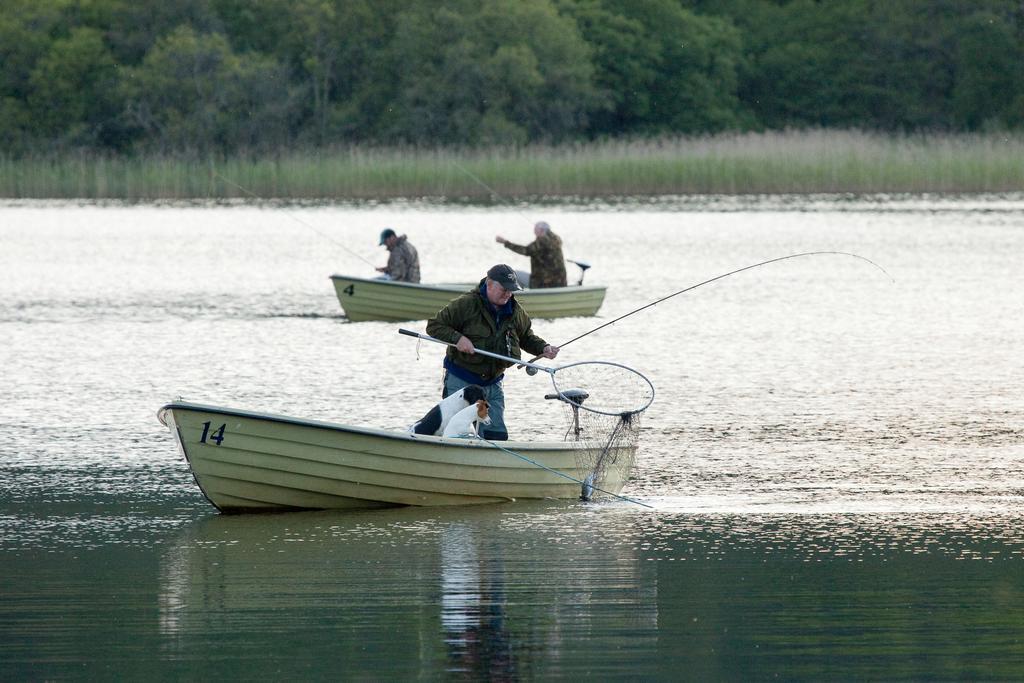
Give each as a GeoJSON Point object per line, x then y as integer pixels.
{"type": "Point", "coordinates": [481, 412]}
{"type": "Point", "coordinates": [472, 393]}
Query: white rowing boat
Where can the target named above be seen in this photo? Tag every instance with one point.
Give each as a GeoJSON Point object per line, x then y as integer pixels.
{"type": "Point", "coordinates": [249, 462]}
{"type": "Point", "coordinates": [371, 299]}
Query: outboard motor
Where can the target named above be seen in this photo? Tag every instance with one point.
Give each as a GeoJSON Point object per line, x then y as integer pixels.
{"type": "Point", "coordinates": [583, 265]}
{"type": "Point", "coordinates": [575, 398]}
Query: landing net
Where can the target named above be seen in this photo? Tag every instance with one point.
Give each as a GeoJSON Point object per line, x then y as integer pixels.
{"type": "Point", "coordinates": [611, 389]}
{"type": "Point", "coordinates": [603, 403]}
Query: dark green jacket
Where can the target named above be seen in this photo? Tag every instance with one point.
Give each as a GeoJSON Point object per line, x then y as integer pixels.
{"type": "Point", "coordinates": [469, 315]}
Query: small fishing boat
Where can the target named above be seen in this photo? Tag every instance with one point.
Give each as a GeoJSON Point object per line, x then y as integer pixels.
{"type": "Point", "coordinates": [251, 462]}
{"type": "Point", "coordinates": [371, 299]}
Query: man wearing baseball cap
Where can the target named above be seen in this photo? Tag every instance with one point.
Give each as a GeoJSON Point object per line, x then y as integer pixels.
{"type": "Point", "coordinates": [403, 261]}
{"type": "Point", "coordinates": [488, 318]}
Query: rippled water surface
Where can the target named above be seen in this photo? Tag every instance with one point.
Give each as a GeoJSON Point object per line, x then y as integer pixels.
{"type": "Point", "coordinates": [833, 460]}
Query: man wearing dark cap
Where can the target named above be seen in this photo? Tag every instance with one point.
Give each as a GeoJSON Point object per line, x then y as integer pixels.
{"type": "Point", "coordinates": [403, 261]}
{"type": "Point", "coordinates": [488, 318]}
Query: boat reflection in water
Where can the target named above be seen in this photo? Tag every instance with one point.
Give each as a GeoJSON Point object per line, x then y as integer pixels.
{"type": "Point", "coordinates": [466, 591]}
{"type": "Point", "coordinates": [559, 589]}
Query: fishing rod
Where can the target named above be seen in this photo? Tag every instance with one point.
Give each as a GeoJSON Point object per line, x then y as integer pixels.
{"type": "Point", "coordinates": [297, 220]}
{"type": "Point", "coordinates": [531, 371]}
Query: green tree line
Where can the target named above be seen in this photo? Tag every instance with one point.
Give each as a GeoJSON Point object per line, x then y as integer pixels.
{"type": "Point", "coordinates": [263, 77]}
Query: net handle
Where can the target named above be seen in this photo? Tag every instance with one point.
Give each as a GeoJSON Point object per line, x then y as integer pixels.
{"type": "Point", "coordinates": [551, 371]}
{"type": "Point", "coordinates": [508, 359]}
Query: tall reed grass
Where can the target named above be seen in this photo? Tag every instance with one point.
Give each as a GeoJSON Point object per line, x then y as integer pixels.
{"type": "Point", "coordinates": [820, 161]}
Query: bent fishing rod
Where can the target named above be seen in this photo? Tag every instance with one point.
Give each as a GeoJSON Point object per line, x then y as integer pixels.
{"type": "Point", "coordinates": [531, 371]}
{"type": "Point", "coordinates": [297, 220]}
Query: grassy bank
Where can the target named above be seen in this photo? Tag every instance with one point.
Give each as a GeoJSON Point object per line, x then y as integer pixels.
{"type": "Point", "coordinates": [790, 162]}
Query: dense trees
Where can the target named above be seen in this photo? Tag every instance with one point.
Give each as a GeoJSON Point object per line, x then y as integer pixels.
{"type": "Point", "coordinates": [192, 93]}
{"type": "Point", "coordinates": [505, 71]}
{"type": "Point", "coordinates": [200, 77]}
{"type": "Point", "coordinates": [880, 64]}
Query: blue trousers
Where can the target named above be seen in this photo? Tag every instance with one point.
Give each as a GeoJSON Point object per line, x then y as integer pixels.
{"type": "Point", "coordinates": [495, 396]}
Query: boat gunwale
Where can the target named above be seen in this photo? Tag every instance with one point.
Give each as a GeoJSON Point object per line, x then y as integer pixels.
{"type": "Point", "coordinates": [422, 439]}
{"type": "Point", "coordinates": [461, 288]}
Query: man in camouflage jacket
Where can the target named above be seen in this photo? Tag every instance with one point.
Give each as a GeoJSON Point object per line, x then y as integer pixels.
{"type": "Point", "coordinates": [490, 319]}
{"type": "Point", "coordinates": [403, 261]}
{"type": "Point", "coordinates": [547, 265]}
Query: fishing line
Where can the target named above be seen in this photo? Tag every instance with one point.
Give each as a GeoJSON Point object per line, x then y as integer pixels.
{"type": "Point", "coordinates": [561, 474]}
{"type": "Point", "coordinates": [298, 220]}
{"type": "Point", "coordinates": [488, 188]}
{"type": "Point", "coordinates": [718, 277]}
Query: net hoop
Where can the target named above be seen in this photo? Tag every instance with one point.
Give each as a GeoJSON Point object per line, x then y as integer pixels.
{"type": "Point", "coordinates": [626, 411]}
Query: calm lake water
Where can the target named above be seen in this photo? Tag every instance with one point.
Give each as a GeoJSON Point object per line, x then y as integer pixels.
{"type": "Point", "coordinates": [834, 460]}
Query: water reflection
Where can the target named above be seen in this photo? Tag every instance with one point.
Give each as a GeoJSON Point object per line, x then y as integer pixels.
{"type": "Point", "coordinates": [474, 608]}
{"type": "Point", "coordinates": [511, 592]}
{"type": "Point", "coordinates": [527, 591]}
{"type": "Point", "coordinates": [474, 595]}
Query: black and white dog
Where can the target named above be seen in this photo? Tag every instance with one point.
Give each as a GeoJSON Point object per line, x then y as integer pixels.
{"type": "Point", "coordinates": [438, 417]}
{"type": "Point", "coordinates": [466, 422]}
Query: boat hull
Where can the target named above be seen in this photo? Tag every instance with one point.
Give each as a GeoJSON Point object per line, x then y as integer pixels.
{"type": "Point", "coordinates": [251, 462]}
{"type": "Point", "coordinates": [365, 299]}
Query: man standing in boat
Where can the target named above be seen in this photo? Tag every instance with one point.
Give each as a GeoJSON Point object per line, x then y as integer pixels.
{"type": "Point", "coordinates": [547, 265]}
{"type": "Point", "coordinates": [403, 261]}
{"type": "Point", "coordinates": [488, 318]}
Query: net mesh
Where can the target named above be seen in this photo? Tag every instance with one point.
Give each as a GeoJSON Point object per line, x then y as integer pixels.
{"type": "Point", "coordinates": [604, 429]}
